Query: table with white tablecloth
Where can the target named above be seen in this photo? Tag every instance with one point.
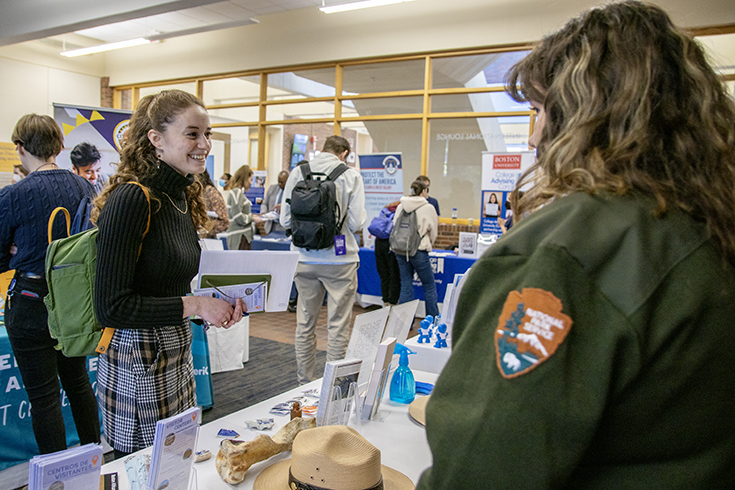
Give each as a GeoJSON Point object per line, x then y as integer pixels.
{"type": "Point", "coordinates": [401, 440]}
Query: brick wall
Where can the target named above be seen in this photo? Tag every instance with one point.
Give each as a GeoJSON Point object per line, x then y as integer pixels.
{"type": "Point", "coordinates": [105, 92]}
{"type": "Point", "coordinates": [449, 234]}
{"type": "Point", "coordinates": [321, 131]}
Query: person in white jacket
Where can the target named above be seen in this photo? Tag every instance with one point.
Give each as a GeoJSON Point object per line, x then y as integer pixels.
{"type": "Point", "coordinates": [428, 224]}
{"type": "Point", "coordinates": [329, 269]}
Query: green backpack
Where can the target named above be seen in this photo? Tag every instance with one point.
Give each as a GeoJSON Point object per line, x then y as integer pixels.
{"type": "Point", "coordinates": [71, 265]}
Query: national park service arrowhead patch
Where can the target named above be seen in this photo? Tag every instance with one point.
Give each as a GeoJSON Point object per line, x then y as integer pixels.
{"type": "Point", "coordinates": [530, 329]}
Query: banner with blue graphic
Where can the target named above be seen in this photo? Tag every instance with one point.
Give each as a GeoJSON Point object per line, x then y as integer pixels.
{"type": "Point", "coordinates": [257, 190]}
{"type": "Point", "coordinates": [500, 173]}
{"type": "Point", "coordinates": [382, 175]}
{"type": "Point", "coordinates": [102, 127]}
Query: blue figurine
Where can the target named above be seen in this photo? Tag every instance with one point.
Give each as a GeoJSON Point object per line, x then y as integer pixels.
{"type": "Point", "coordinates": [441, 336]}
{"type": "Point", "coordinates": [425, 331]}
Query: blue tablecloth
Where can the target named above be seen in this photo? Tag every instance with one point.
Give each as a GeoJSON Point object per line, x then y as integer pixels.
{"type": "Point", "coordinates": [445, 267]}
{"type": "Point", "coordinates": [17, 442]}
{"type": "Point", "coordinates": [266, 243]}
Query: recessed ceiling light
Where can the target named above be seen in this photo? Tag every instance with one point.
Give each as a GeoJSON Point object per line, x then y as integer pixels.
{"type": "Point", "coordinates": [101, 48]}
{"type": "Point", "coordinates": [359, 5]}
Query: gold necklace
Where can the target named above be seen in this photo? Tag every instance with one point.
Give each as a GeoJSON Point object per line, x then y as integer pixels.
{"type": "Point", "coordinates": [46, 164]}
{"type": "Point", "coordinates": [186, 204]}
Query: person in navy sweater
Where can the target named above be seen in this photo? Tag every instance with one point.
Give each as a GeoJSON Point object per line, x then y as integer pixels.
{"type": "Point", "coordinates": [25, 209]}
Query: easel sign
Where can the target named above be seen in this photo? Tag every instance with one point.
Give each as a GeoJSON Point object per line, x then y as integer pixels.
{"type": "Point", "coordinates": [367, 332]}
{"type": "Point", "coordinates": [400, 321]}
{"type": "Point", "coordinates": [467, 244]}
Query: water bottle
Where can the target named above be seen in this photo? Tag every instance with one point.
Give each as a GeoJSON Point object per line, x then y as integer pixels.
{"type": "Point", "coordinates": [454, 214]}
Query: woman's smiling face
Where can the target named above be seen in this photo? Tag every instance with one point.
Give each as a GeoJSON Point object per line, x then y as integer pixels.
{"type": "Point", "coordinates": [186, 142]}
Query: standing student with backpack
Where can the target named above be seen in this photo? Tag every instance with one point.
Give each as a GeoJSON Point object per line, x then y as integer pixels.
{"type": "Point", "coordinates": [385, 260]}
{"type": "Point", "coordinates": [142, 280]}
{"type": "Point", "coordinates": [323, 206]}
{"type": "Point", "coordinates": [426, 226]}
{"type": "Point", "coordinates": [25, 209]}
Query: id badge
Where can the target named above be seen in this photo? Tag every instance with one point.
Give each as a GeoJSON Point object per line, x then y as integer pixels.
{"type": "Point", "coordinates": [340, 246]}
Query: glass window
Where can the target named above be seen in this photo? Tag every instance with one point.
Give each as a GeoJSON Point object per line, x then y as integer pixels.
{"type": "Point", "coordinates": [455, 157]}
{"type": "Point", "coordinates": [231, 90]}
{"type": "Point", "coordinates": [482, 102]}
{"type": "Point", "coordinates": [301, 142]}
{"type": "Point", "coordinates": [383, 77]}
{"type": "Point", "coordinates": [302, 110]}
{"type": "Point", "coordinates": [383, 106]}
{"type": "Point", "coordinates": [237, 149]}
{"type": "Point", "coordinates": [479, 70]}
{"type": "Point", "coordinates": [234, 115]}
{"type": "Point", "coordinates": [301, 84]}
{"type": "Point", "coordinates": [390, 137]}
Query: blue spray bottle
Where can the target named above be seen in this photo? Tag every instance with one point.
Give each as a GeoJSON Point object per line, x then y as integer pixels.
{"type": "Point", "coordinates": [403, 384]}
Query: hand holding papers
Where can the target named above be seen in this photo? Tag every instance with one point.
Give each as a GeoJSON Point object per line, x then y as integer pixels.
{"type": "Point", "coordinates": [234, 267]}
{"type": "Point", "coordinates": [252, 294]}
{"type": "Point", "coordinates": [270, 216]}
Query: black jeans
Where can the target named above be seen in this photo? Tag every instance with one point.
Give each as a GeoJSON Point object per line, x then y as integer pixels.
{"type": "Point", "coordinates": [41, 366]}
{"type": "Point", "coordinates": [390, 277]}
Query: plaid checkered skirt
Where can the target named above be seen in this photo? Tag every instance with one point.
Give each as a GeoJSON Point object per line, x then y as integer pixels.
{"type": "Point", "coordinates": [145, 376]}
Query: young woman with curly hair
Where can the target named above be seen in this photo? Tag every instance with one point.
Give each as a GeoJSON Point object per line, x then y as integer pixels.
{"type": "Point", "coordinates": [593, 344]}
{"type": "Point", "coordinates": [142, 281]}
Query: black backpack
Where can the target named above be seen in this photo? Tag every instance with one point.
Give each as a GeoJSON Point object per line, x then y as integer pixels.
{"type": "Point", "coordinates": [315, 216]}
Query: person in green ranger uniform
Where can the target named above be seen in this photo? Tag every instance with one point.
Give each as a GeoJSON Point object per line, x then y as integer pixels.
{"type": "Point", "coordinates": [594, 344]}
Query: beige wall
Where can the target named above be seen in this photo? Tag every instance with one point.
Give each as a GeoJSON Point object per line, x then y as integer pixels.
{"type": "Point", "coordinates": [33, 75]}
{"type": "Point", "coordinates": [28, 87]}
{"type": "Point", "coordinates": [307, 35]}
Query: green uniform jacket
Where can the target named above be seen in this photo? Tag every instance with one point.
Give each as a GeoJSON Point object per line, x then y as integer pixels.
{"type": "Point", "coordinates": [639, 394]}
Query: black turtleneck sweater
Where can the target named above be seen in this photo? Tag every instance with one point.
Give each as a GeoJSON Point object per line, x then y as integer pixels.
{"type": "Point", "coordinates": [145, 291]}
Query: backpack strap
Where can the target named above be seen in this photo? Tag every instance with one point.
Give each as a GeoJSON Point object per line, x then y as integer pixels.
{"type": "Point", "coordinates": [108, 332]}
{"type": "Point", "coordinates": [51, 221]}
{"type": "Point", "coordinates": [306, 170]}
{"type": "Point", "coordinates": [334, 175]}
{"type": "Point", "coordinates": [66, 214]}
{"type": "Point", "coordinates": [338, 170]}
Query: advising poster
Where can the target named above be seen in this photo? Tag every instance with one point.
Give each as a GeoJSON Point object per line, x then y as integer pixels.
{"type": "Point", "coordinates": [8, 160]}
{"type": "Point", "coordinates": [382, 175]}
{"type": "Point", "coordinates": [257, 190]}
{"type": "Point", "coordinates": [500, 173]}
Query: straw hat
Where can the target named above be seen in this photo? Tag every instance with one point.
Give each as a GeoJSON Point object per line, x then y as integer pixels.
{"type": "Point", "coordinates": [417, 409]}
{"type": "Point", "coordinates": [333, 457]}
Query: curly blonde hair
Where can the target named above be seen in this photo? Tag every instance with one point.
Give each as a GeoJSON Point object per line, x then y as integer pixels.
{"type": "Point", "coordinates": [138, 160]}
{"type": "Point", "coordinates": [631, 106]}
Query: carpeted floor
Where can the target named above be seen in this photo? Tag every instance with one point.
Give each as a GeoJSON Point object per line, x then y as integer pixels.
{"type": "Point", "coordinates": [270, 371]}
